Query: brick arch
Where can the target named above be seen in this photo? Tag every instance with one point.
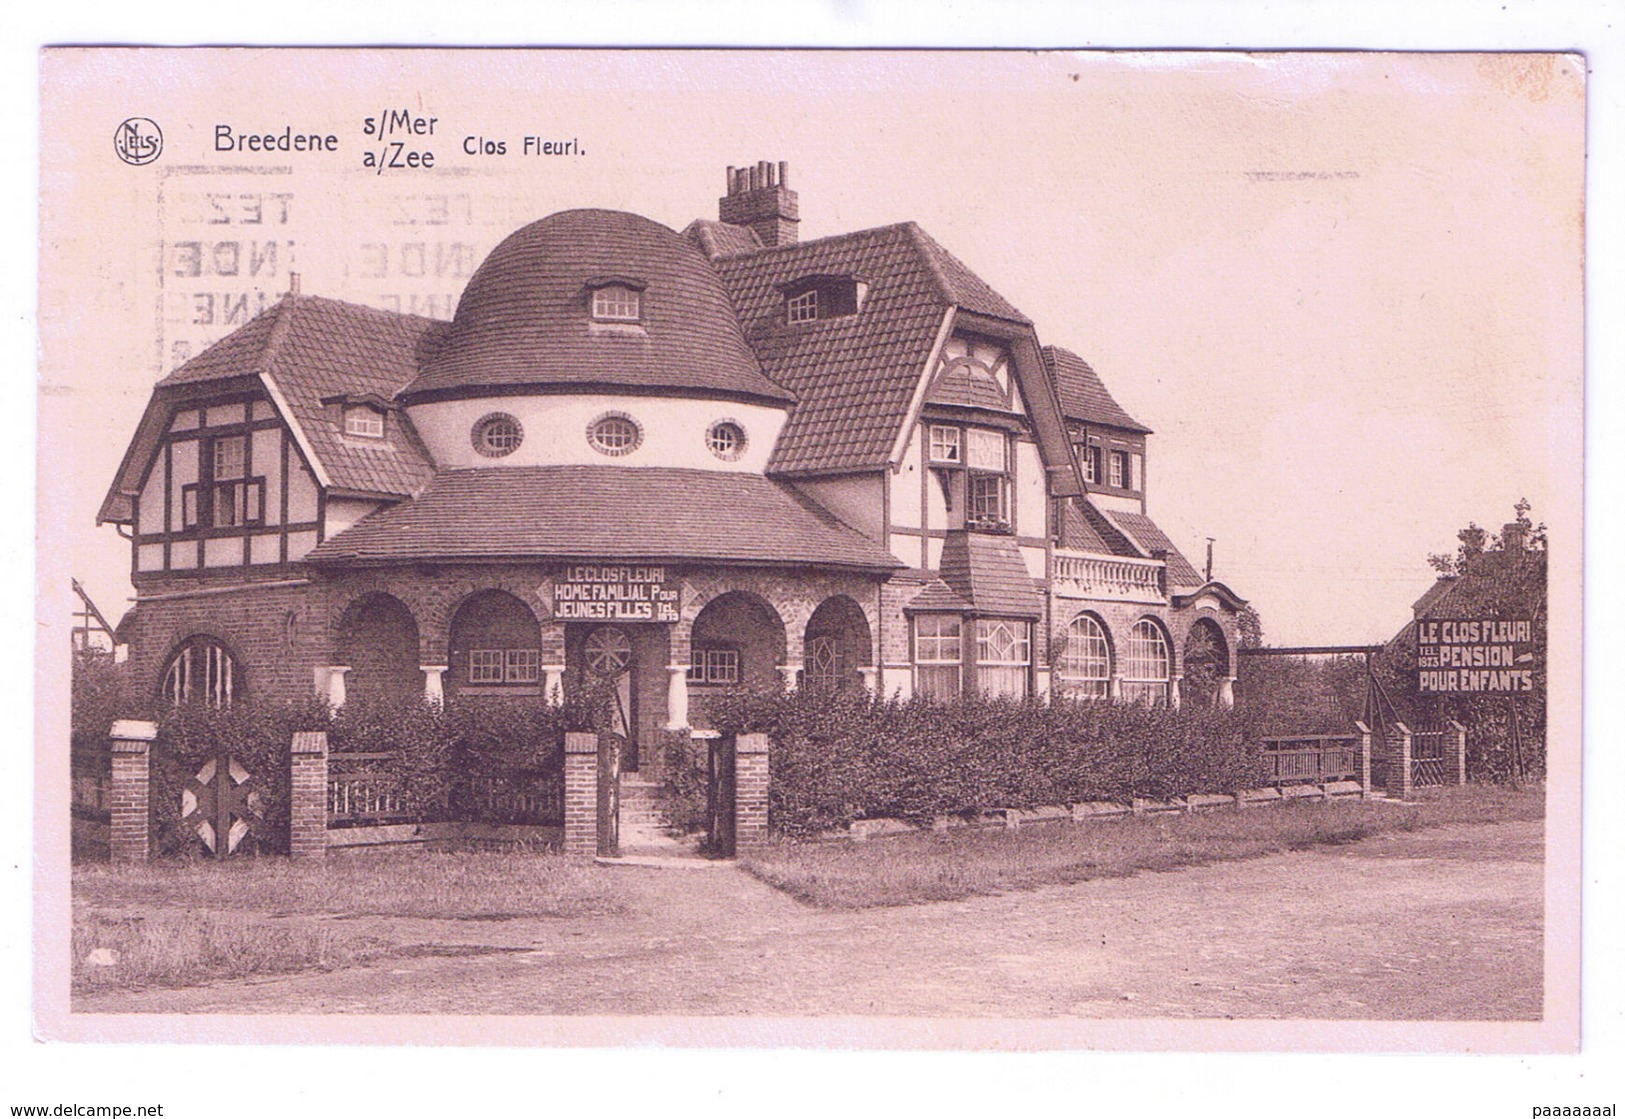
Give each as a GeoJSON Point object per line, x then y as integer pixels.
{"type": "Point", "coordinates": [764, 642]}
{"type": "Point", "coordinates": [410, 592]}
{"type": "Point", "coordinates": [182, 636]}
{"type": "Point", "coordinates": [378, 639]}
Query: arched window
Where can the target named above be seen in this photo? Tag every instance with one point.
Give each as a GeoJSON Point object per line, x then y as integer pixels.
{"type": "Point", "coordinates": [202, 670]}
{"type": "Point", "coordinates": [1086, 662]}
{"type": "Point", "coordinates": [1147, 666]}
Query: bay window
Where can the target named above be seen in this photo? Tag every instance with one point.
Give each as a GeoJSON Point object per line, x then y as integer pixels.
{"type": "Point", "coordinates": [1004, 653]}
{"type": "Point", "coordinates": [939, 654]}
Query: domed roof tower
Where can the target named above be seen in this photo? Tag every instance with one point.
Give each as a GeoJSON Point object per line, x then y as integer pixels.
{"type": "Point", "coordinates": [527, 320]}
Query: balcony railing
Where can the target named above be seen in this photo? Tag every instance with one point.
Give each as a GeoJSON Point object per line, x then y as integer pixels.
{"type": "Point", "coordinates": [1081, 575]}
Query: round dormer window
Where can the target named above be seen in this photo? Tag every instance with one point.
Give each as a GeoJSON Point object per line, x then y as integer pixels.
{"type": "Point", "coordinates": [726, 440]}
{"type": "Point", "coordinates": [614, 433]}
{"type": "Point", "coordinates": [497, 434]}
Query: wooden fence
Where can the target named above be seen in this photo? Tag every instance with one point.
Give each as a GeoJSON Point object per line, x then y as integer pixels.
{"type": "Point", "coordinates": [361, 791]}
{"type": "Point", "coordinates": [1313, 758]}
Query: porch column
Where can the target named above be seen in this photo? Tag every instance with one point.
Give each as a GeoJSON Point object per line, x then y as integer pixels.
{"type": "Point", "coordinates": [335, 685]}
{"type": "Point", "coordinates": [791, 674]}
{"type": "Point", "coordinates": [553, 661]}
{"type": "Point", "coordinates": [1114, 690]}
{"type": "Point", "coordinates": [434, 690]}
{"type": "Point", "coordinates": [677, 697]}
{"type": "Point", "coordinates": [1227, 691]}
{"type": "Point", "coordinates": [553, 683]}
{"type": "Point", "coordinates": [871, 679]}
{"type": "Point", "coordinates": [1176, 684]}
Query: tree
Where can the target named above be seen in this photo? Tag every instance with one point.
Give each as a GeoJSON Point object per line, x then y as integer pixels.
{"type": "Point", "coordinates": [1490, 576]}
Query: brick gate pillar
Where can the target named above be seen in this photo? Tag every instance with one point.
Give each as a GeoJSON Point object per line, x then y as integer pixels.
{"type": "Point", "coordinates": [580, 793]}
{"type": "Point", "coordinates": [1455, 753]}
{"type": "Point", "coordinates": [1399, 761]}
{"type": "Point", "coordinates": [130, 790]}
{"type": "Point", "coordinates": [307, 795]}
{"type": "Point", "coordinates": [750, 791]}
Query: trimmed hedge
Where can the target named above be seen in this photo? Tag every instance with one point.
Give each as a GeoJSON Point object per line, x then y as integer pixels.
{"type": "Point", "coordinates": [839, 758]}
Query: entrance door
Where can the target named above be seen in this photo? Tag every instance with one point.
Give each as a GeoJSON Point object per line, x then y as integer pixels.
{"type": "Point", "coordinates": [609, 657]}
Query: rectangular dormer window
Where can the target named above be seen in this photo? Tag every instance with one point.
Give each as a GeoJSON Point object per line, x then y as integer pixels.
{"type": "Point", "coordinates": [365, 422]}
{"type": "Point", "coordinates": [803, 307]}
{"type": "Point", "coordinates": [617, 303]}
{"type": "Point", "coordinates": [1119, 467]}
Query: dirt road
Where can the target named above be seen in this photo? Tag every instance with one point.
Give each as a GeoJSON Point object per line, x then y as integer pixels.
{"type": "Point", "coordinates": [1439, 924]}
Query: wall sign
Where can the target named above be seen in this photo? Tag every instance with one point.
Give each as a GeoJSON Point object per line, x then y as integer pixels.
{"type": "Point", "coordinates": [615, 593]}
{"type": "Point", "coordinates": [1477, 655]}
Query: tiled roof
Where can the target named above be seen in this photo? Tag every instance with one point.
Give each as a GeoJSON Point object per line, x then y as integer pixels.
{"type": "Point", "coordinates": [960, 386]}
{"type": "Point", "coordinates": [721, 238]}
{"type": "Point", "coordinates": [987, 571]}
{"type": "Point", "coordinates": [612, 512]}
{"type": "Point", "coordinates": [1083, 394]}
{"type": "Point", "coordinates": [311, 348]}
{"type": "Point", "coordinates": [937, 596]}
{"type": "Point", "coordinates": [524, 316]}
{"type": "Point", "coordinates": [958, 284]}
{"type": "Point", "coordinates": [1079, 533]}
{"type": "Point", "coordinates": [854, 377]}
{"type": "Point", "coordinates": [1153, 539]}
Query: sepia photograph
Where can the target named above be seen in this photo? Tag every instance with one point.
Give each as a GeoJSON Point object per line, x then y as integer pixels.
{"type": "Point", "coordinates": [880, 549]}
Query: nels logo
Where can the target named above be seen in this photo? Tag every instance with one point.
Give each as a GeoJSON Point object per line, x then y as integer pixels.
{"type": "Point", "coordinates": [138, 140]}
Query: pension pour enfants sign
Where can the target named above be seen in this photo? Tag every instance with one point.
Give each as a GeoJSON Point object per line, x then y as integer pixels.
{"type": "Point", "coordinates": [1459, 655]}
{"type": "Point", "coordinates": [615, 593]}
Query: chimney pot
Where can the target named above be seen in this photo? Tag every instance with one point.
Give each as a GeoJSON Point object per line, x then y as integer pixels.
{"type": "Point", "coordinates": [759, 198]}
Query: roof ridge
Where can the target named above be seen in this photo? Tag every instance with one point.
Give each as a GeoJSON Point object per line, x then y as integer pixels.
{"type": "Point", "coordinates": [766, 250]}
{"type": "Point", "coordinates": [284, 311]}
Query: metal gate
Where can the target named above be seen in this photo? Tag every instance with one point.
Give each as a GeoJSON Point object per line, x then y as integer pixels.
{"type": "Point", "coordinates": [1427, 759]}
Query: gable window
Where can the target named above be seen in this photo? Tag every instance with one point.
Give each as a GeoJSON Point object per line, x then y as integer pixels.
{"type": "Point", "coordinates": [1004, 653]}
{"type": "Point", "coordinates": [1086, 663]}
{"type": "Point", "coordinates": [1089, 457]}
{"type": "Point", "coordinates": [945, 445]}
{"type": "Point", "coordinates": [716, 664]}
{"type": "Point", "coordinates": [1147, 664]}
{"type": "Point", "coordinates": [617, 303]}
{"type": "Point", "coordinates": [939, 654]}
{"type": "Point", "coordinates": [497, 435]}
{"type": "Point", "coordinates": [363, 421]}
{"type": "Point", "coordinates": [224, 496]}
{"type": "Point", "coordinates": [202, 671]}
{"type": "Point", "coordinates": [988, 495]}
{"type": "Point", "coordinates": [1120, 470]}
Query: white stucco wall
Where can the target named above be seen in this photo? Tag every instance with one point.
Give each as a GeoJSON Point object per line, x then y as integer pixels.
{"type": "Point", "coordinates": [555, 430]}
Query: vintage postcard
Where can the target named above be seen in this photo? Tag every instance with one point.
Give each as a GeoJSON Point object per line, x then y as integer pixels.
{"type": "Point", "coordinates": [884, 549]}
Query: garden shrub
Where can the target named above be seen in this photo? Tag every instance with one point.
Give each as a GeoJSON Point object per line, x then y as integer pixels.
{"type": "Point", "coordinates": [838, 758]}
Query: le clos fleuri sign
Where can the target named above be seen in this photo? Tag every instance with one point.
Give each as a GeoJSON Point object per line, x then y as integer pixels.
{"type": "Point", "coordinates": [1478, 655]}
{"type": "Point", "coordinates": [615, 593]}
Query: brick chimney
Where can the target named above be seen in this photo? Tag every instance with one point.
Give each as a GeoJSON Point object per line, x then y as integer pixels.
{"type": "Point", "coordinates": [1514, 536]}
{"type": "Point", "coordinates": [760, 197]}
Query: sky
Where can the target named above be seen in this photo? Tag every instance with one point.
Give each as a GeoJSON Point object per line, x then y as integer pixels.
{"type": "Point", "coordinates": [1343, 289]}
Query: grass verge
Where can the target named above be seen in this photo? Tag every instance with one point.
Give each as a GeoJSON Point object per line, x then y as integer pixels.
{"type": "Point", "coordinates": [176, 924]}
{"type": "Point", "coordinates": [944, 867]}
